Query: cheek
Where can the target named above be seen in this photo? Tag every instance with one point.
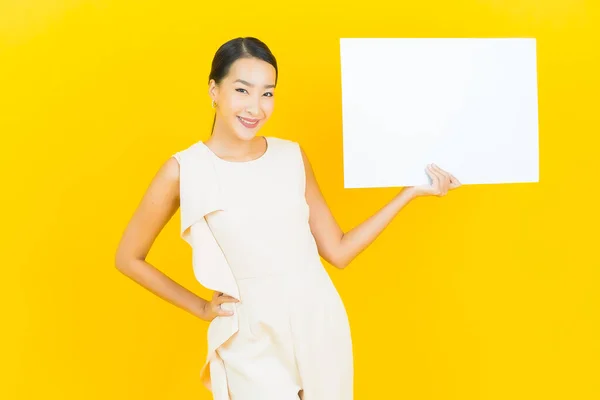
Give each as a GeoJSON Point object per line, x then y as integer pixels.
{"type": "Point", "coordinates": [236, 104]}
{"type": "Point", "coordinates": [268, 106]}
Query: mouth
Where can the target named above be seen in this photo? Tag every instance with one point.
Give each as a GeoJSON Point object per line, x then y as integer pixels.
{"type": "Point", "coordinates": [248, 122]}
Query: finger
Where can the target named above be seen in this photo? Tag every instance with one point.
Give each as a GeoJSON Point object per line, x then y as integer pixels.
{"type": "Point", "coordinates": [455, 182]}
{"type": "Point", "coordinates": [224, 313]}
{"type": "Point", "coordinates": [436, 177]}
{"type": "Point", "coordinates": [216, 309]}
{"type": "Point", "coordinates": [433, 174]}
{"type": "Point", "coordinates": [430, 188]}
{"type": "Point", "coordinates": [445, 179]}
{"type": "Point", "coordinates": [227, 299]}
{"type": "Point", "coordinates": [445, 174]}
{"type": "Point", "coordinates": [440, 180]}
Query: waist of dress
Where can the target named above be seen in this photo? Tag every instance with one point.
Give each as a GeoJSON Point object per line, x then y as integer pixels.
{"type": "Point", "coordinates": [283, 270]}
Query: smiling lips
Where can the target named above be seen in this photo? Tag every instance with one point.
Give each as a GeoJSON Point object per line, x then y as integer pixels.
{"type": "Point", "coordinates": [248, 123]}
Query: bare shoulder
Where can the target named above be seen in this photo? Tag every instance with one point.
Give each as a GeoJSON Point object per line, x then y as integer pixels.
{"type": "Point", "coordinates": [314, 197]}
{"type": "Point", "coordinates": [170, 170]}
{"type": "Point", "coordinates": [302, 151]}
{"type": "Point", "coordinates": [307, 165]}
{"type": "Point", "coordinates": [165, 182]}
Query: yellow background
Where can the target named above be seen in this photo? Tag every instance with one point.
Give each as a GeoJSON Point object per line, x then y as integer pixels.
{"type": "Point", "coordinates": [488, 293]}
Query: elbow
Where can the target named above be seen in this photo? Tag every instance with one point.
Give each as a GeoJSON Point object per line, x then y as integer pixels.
{"type": "Point", "coordinates": [340, 262]}
{"type": "Point", "coordinates": [337, 258]}
{"type": "Point", "coordinates": [127, 261]}
{"type": "Point", "coordinates": [341, 258]}
{"type": "Point", "coordinates": [121, 262]}
{"type": "Point", "coordinates": [120, 266]}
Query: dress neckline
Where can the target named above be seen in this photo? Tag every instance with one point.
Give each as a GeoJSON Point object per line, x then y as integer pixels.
{"type": "Point", "coordinates": [255, 160]}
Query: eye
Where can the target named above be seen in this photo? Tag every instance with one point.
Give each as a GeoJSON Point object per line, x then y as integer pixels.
{"type": "Point", "coordinates": [237, 90]}
{"type": "Point", "coordinates": [270, 94]}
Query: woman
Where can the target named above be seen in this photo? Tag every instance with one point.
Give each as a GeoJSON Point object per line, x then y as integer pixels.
{"type": "Point", "coordinates": [258, 224]}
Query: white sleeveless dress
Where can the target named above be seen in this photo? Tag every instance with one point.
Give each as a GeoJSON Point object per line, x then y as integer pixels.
{"type": "Point", "coordinates": [247, 223]}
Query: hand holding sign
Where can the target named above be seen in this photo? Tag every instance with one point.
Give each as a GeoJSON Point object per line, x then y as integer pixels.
{"type": "Point", "coordinates": [442, 182]}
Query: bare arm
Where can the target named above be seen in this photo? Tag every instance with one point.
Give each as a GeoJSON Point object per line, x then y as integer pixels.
{"type": "Point", "coordinates": [156, 208]}
{"type": "Point", "coordinates": [335, 246]}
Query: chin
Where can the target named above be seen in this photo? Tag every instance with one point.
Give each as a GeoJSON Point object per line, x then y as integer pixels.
{"type": "Point", "coordinates": [246, 134]}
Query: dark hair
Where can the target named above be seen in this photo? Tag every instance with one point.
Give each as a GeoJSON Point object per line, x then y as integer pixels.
{"type": "Point", "coordinates": [234, 49]}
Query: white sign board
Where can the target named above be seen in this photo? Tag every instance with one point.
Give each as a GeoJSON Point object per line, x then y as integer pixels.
{"type": "Point", "coordinates": [468, 105]}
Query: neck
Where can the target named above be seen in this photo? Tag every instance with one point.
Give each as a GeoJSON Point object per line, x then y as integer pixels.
{"type": "Point", "coordinates": [227, 144]}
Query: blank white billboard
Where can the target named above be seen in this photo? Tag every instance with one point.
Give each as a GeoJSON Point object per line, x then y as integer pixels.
{"type": "Point", "coordinates": [468, 105]}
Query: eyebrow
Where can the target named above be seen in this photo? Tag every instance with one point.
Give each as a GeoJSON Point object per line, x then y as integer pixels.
{"type": "Point", "coordinates": [251, 85]}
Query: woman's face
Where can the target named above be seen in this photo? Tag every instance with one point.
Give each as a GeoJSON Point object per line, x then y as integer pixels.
{"type": "Point", "coordinates": [245, 97]}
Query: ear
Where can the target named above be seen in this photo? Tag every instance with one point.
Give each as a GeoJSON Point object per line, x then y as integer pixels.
{"type": "Point", "coordinates": [213, 91]}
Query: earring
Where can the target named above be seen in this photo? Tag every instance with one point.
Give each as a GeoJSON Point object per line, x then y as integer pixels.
{"type": "Point", "coordinates": [214, 104]}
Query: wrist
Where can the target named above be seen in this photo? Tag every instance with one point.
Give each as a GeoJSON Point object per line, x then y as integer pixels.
{"type": "Point", "coordinates": [411, 192]}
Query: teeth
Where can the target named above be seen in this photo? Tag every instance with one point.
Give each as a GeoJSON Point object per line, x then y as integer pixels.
{"type": "Point", "coordinates": [248, 122]}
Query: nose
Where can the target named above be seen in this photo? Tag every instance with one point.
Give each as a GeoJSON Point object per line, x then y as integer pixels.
{"type": "Point", "coordinates": [253, 107]}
